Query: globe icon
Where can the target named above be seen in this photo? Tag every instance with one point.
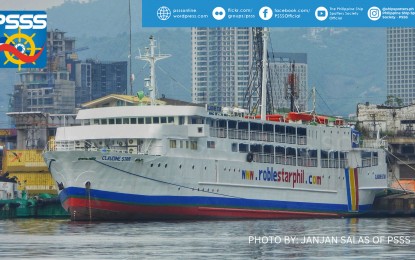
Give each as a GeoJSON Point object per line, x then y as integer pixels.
{"type": "Point", "coordinates": [163, 13]}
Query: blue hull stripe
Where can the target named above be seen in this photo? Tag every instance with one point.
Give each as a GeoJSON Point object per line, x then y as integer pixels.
{"type": "Point", "coordinates": [203, 201]}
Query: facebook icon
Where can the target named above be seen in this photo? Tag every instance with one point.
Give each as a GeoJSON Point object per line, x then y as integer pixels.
{"type": "Point", "coordinates": [265, 13]}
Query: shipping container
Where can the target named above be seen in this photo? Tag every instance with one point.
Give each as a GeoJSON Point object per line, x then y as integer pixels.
{"type": "Point", "coordinates": [35, 182]}
{"type": "Point", "coordinates": [23, 161]}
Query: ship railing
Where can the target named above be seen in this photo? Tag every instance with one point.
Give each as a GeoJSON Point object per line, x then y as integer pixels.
{"type": "Point", "coordinates": [307, 161]}
{"type": "Point", "coordinates": [263, 158]}
{"type": "Point", "coordinates": [218, 132]}
{"type": "Point", "coordinates": [238, 134]}
{"type": "Point", "coordinates": [371, 143]}
{"type": "Point", "coordinates": [333, 163]}
{"type": "Point", "coordinates": [290, 139]}
{"type": "Point", "coordinates": [280, 138]}
{"type": "Point", "coordinates": [280, 159]}
{"type": "Point", "coordinates": [302, 140]}
{"type": "Point", "coordinates": [73, 146]}
{"type": "Point", "coordinates": [344, 163]}
{"type": "Point", "coordinates": [262, 136]}
{"type": "Point", "coordinates": [290, 160]}
{"type": "Point", "coordinates": [324, 163]}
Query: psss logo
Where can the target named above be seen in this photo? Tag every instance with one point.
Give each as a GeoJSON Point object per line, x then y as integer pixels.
{"type": "Point", "coordinates": [23, 39]}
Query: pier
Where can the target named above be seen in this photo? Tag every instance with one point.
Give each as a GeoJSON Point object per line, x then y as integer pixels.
{"type": "Point", "coordinates": [396, 205]}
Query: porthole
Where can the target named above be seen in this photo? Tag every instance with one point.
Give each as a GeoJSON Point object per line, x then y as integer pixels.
{"type": "Point", "coordinates": [180, 166]}
{"type": "Point", "coordinates": [151, 165]}
{"type": "Point", "coordinates": [165, 166]}
{"type": "Point", "coordinates": [193, 167]}
{"type": "Point", "coordinates": [158, 165]}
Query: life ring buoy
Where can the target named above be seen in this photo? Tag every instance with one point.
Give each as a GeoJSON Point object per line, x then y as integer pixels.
{"type": "Point", "coordinates": [249, 157]}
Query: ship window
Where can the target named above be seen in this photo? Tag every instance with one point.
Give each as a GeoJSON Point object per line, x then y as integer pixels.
{"type": "Point", "coordinates": [211, 144]}
{"type": "Point", "coordinates": [196, 120]}
{"type": "Point", "coordinates": [181, 143]}
{"type": "Point", "coordinates": [118, 121]}
{"type": "Point", "coordinates": [243, 148]}
{"type": "Point", "coordinates": [200, 129]}
{"type": "Point", "coordinates": [172, 143]}
{"type": "Point", "coordinates": [103, 121]}
{"type": "Point", "coordinates": [193, 145]}
{"type": "Point", "coordinates": [96, 121]}
{"type": "Point", "coordinates": [111, 121]}
{"type": "Point", "coordinates": [148, 120]}
{"type": "Point", "coordinates": [333, 159]}
{"type": "Point", "coordinates": [290, 156]}
{"type": "Point", "coordinates": [86, 122]}
{"type": "Point", "coordinates": [133, 120]}
{"type": "Point", "coordinates": [343, 160]}
{"type": "Point", "coordinates": [187, 144]}
{"type": "Point", "coordinates": [170, 119]}
{"type": "Point", "coordinates": [324, 159]}
{"type": "Point", "coordinates": [163, 120]}
{"type": "Point", "coordinates": [366, 159]}
{"type": "Point", "coordinates": [126, 121]}
{"type": "Point", "coordinates": [375, 160]}
{"type": "Point", "coordinates": [234, 147]}
{"type": "Point", "coordinates": [181, 120]}
{"type": "Point", "coordinates": [156, 120]}
{"type": "Point", "coordinates": [140, 120]}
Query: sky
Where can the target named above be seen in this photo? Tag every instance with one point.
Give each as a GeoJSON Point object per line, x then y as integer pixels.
{"type": "Point", "coordinates": [30, 4]}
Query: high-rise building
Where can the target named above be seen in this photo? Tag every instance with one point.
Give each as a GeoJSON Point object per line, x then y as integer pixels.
{"type": "Point", "coordinates": [80, 72]}
{"type": "Point", "coordinates": [221, 62]}
{"type": "Point", "coordinates": [107, 78]}
{"type": "Point", "coordinates": [282, 65]}
{"type": "Point", "coordinates": [48, 89]}
{"type": "Point", "coordinates": [401, 64]}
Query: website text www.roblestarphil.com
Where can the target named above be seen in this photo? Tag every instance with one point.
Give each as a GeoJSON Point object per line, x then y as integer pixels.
{"type": "Point", "coordinates": [331, 240]}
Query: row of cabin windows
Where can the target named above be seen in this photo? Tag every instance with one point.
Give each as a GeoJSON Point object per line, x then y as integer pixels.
{"type": "Point", "coordinates": [304, 157]}
{"type": "Point", "coordinates": [144, 120]}
{"type": "Point", "coordinates": [183, 144]}
{"type": "Point", "coordinates": [258, 132]}
{"type": "Point", "coordinates": [129, 120]}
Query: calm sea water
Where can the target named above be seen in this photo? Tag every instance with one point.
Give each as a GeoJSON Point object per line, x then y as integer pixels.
{"type": "Point", "coordinates": [363, 238]}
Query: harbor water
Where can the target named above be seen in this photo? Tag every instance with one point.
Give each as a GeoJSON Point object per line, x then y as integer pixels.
{"type": "Point", "coordinates": [364, 238]}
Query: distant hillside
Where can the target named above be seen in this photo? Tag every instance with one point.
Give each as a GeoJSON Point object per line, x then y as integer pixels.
{"type": "Point", "coordinates": [95, 18]}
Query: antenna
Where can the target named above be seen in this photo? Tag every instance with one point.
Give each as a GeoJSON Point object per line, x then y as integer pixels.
{"type": "Point", "coordinates": [152, 59]}
{"type": "Point", "coordinates": [129, 56]}
{"type": "Point", "coordinates": [265, 37]}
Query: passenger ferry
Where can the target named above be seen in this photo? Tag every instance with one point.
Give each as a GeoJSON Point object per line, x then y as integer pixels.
{"type": "Point", "coordinates": [201, 162]}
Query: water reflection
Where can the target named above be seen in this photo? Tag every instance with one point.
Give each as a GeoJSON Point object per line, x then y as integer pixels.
{"type": "Point", "coordinates": [207, 239]}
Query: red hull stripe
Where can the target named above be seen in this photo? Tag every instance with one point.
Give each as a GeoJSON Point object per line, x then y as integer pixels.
{"type": "Point", "coordinates": [96, 209]}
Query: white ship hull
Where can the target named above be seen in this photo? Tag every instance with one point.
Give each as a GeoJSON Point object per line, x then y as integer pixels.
{"type": "Point", "coordinates": [104, 186]}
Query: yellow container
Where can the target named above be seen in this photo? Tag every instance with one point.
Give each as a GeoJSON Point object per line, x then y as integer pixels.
{"type": "Point", "coordinates": [35, 182]}
{"type": "Point", "coordinates": [23, 161]}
